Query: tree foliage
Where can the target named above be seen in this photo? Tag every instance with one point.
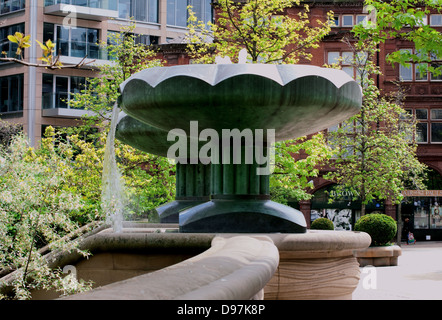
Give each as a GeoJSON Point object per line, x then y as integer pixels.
{"type": "Point", "coordinates": [262, 27]}
{"type": "Point", "coordinates": [374, 151]}
{"type": "Point", "coordinates": [149, 179]}
{"type": "Point", "coordinates": [405, 19]}
{"type": "Point", "coordinates": [297, 162]}
{"type": "Point", "coordinates": [37, 206]}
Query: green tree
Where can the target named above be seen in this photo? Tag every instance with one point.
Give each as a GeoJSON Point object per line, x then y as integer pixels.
{"type": "Point", "coordinates": [374, 151]}
{"type": "Point", "coordinates": [262, 27]}
{"type": "Point", "coordinates": [149, 179]}
{"type": "Point", "coordinates": [297, 162]}
{"type": "Point", "coordinates": [405, 19]}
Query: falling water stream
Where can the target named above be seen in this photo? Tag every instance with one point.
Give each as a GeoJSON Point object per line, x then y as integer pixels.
{"type": "Point", "coordinates": [112, 194]}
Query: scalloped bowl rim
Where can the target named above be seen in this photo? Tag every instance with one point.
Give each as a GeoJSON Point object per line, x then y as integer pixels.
{"type": "Point", "coordinates": [214, 74]}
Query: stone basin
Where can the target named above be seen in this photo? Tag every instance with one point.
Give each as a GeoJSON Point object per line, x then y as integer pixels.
{"type": "Point", "coordinates": [150, 261]}
{"type": "Point", "coordinates": [294, 100]}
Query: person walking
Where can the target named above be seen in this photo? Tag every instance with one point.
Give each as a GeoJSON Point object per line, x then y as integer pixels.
{"type": "Point", "coordinates": [408, 231]}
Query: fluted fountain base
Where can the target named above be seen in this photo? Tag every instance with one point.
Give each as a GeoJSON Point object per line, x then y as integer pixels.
{"type": "Point", "coordinates": [242, 215]}
{"type": "Point", "coordinates": [169, 212]}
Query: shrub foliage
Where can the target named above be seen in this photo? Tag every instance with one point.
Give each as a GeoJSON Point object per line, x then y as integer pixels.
{"type": "Point", "coordinates": [322, 224]}
{"type": "Point", "coordinates": [379, 226]}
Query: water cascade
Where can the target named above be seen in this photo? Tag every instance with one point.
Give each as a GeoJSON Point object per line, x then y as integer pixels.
{"type": "Point", "coordinates": [112, 194]}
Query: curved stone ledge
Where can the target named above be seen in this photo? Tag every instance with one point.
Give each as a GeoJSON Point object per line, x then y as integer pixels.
{"type": "Point", "coordinates": [379, 256]}
{"type": "Point", "coordinates": [233, 268]}
{"type": "Point", "coordinates": [135, 240]}
{"type": "Point", "coordinates": [147, 262]}
{"type": "Point", "coordinates": [319, 265]}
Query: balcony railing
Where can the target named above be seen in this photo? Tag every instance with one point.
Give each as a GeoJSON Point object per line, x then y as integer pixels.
{"type": "Point", "coordinates": [98, 10]}
{"type": "Point", "coordinates": [53, 100]}
{"type": "Point", "coordinates": [100, 4]}
{"type": "Point", "coordinates": [80, 50]}
{"type": "Point", "coordinates": [56, 104]}
{"type": "Point", "coordinates": [11, 6]}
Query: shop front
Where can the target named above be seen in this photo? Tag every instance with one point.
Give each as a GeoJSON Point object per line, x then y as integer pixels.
{"type": "Point", "coordinates": [341, 207]}
{"type": "Point", "coordinates": [423, 208]}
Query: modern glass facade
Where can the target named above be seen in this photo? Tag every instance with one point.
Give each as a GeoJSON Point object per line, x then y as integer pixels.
{"type": "Point", "coordinates": [7, 47]}
{"type": "Point", "coordinates": [139, 10]}
{"type": "Point", "coordinates": [8, 6]}
{"type": "Point", "coordinates": [177, 13]}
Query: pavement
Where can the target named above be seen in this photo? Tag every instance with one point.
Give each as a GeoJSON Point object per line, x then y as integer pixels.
{"type": "Point", "coordinates": [418, 275]}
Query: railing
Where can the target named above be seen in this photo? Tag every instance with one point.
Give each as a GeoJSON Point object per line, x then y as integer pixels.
{"type": "Point", "coordinates": [53, 100]}
{"type": "Point", "coordinates": [80, 50]}
{"type": "Point", "coordinates": [101, 4]}
{"type": "Point", "coordinates": [11, 6]}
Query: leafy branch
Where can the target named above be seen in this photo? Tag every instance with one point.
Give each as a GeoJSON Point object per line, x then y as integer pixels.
{"type": "Point", "coordinates": [50, 60]}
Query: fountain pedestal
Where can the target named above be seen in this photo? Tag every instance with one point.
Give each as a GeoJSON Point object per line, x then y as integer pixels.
{"type": "Point", "coordinates": [192, 189]}
{"type": "Point", "coordinates": [240, 202]}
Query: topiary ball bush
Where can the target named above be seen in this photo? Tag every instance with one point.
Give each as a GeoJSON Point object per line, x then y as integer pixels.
{"type": "Point", "coordinates": [379, 226]}
{"type": "Point", "coordinates": [322, 224]}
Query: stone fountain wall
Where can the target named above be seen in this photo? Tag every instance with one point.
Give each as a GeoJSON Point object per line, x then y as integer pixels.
{"type": "Point", "coordinates": [315, 265]}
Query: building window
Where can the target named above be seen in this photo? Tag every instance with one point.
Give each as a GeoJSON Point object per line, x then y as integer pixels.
{"type": "Point", "coordinates": [422, 132]}
{"type": "Point", "coordinates": [7, 46]}
{"type": "Point", "coordinates": [419, 71]}
{"type": "Point", "coordinates": [436, 20]}
{"type": "Point", "coordinates": [7, 6]}
{"type": "Point", "coordinates": [344, 59]}
{"type": "Point", "coordinates": [429, 125]}
{"type": "Point", "coordinates": [59, 90]}
{"type": "Point", "coordinates": [140, 10]}
{"type": "Point", "coordinates": [360, 18]}
{"type": "Point", "coordinates": [73, 41]}
{"type": "Point", "coordinates": [177, 13]}
{"type": "Point", "coordinates": [335, 21]}
{"type": "Point", "coordinates": [113, 39]}
{"type": "Point", "coordinates": [11, 93]}
{"type": "Point", "coordinates": [347, 20]}
{"type": "Point", "coordinates": [436, 63]}
{"type": "Point", "coordinates": [436, 125]}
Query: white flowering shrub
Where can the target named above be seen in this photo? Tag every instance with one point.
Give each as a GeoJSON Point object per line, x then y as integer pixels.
{"type": "Point", "coordinates": [36, 205]}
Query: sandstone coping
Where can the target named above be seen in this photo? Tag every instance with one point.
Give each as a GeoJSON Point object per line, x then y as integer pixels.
{"type": "Point", "coordinates": [318, 265]}
{"type": "Point", "coordinates": [233, 268]}
{"type": "Point", "coordinates": [320, 243]}
{"type": "Point", "coordinates": [379, 256]}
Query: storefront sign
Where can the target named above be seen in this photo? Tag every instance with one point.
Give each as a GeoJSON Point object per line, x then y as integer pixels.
{"type": "Point", "coordinates": [343, 195]}
{"type": "Point", "coordinates": [422, 193]}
